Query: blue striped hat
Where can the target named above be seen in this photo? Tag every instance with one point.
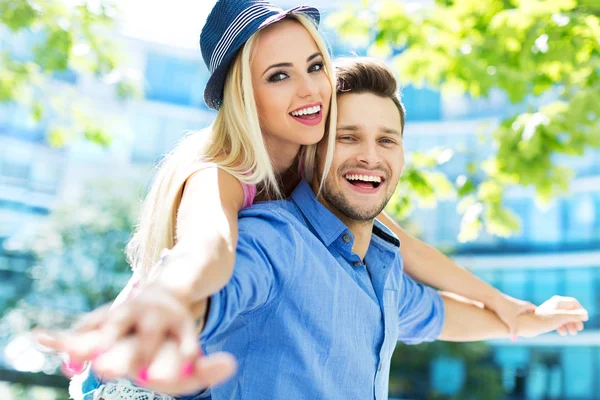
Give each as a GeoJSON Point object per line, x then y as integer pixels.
{"type": "Point", "coordinates": [228, 26]}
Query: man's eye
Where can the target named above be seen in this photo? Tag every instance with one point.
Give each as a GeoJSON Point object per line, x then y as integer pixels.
{"type": "Point", "coordinates": [387, 141]}
{"type": "Point", "coordinates": [277, 77]}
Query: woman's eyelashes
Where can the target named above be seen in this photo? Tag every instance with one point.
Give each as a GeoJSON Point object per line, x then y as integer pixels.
{"type": "Point", "coordinates": [316, 67]}
{"type": "Point", "coordinates": [282, 75]}
{"type": "Point", "coordinates": [277, 76]}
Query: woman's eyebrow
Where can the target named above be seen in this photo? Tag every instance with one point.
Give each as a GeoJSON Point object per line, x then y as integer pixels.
{"type": "Point", "coordinates": [288, 64]}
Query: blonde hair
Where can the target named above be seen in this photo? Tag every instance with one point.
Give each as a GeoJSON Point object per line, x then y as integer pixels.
{"type": "Point", "coordinates": [234, 142]}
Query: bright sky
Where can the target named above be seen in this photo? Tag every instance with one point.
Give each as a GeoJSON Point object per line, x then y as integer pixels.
{"type": "Point", "coordinates": [173, 22]}
{"type": "Point", "coordinates": [177, 22]}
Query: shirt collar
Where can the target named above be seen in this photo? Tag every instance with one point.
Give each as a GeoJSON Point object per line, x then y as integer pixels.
{"type": "Point", "coordinates": [325, 224]}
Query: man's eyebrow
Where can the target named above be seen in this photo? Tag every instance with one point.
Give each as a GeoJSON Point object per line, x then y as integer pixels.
{"type": "Point", "coordinates": [390, 130]}
{"type": "Point", "coordinates": [354, 128]}
{"type": "Point", "coordinates": [287, 64]}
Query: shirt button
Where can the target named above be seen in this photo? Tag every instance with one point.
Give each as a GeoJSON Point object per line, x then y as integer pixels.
{"type": "Point", "coordinates": [346, 238]}
{"type": "Point", "coordinates": [379, 368]}
{"type": "Point", "coordinates": [357, 264]}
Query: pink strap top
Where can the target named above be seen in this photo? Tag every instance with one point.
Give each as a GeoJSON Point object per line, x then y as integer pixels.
{"type": "Point", "coordinates": [249, 194]}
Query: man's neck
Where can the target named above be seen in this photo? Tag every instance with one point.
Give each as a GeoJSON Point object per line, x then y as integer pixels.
{"type": "Point", "coordinates": [361, 230]}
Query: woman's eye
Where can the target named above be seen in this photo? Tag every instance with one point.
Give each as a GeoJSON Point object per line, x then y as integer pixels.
{"type": "Point", "coordinates": [316, 67]}
{"type": "Point", "coordinates": [346, 138]}
{"type": "Point", "coordinates": [277, 76]}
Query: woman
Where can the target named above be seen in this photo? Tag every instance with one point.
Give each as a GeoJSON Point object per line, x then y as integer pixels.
{"type": "Point", "coordinates": [274, 101]}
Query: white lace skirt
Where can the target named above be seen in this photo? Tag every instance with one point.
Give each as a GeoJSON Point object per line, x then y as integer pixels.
{"type": "Point", "coordinates": [120, 389]}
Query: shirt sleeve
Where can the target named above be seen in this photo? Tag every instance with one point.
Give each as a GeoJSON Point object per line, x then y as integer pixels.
{"type": "Point", "coordinates": [265, 247]}
{"type": "Point", "coordinates": [421, 315]}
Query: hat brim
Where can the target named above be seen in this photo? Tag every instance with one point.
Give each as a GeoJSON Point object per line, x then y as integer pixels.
{"type": "Point", "coordinates": [213, 93]}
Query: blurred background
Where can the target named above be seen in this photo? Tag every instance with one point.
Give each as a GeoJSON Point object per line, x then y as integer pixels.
{"type": "Point", "coordinates": [503, 174]}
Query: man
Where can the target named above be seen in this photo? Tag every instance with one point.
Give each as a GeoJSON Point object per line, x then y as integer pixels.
{"type": "Point", "coordinates": [318, 299]}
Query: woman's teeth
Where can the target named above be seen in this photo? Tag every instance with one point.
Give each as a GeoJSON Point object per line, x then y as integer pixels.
{"type": "Point", "coordinates": [306, 111]}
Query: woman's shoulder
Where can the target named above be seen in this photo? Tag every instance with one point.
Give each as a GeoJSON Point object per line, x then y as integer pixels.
{"type": "Point", "coordinates": [211, 174]}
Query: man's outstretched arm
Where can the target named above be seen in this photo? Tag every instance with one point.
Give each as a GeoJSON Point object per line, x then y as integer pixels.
{"type": "Point", "coordinates": [466, 321]}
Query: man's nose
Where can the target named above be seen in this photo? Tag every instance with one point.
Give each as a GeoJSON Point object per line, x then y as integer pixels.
{"type": "Point", "coordinates": [368, 154]}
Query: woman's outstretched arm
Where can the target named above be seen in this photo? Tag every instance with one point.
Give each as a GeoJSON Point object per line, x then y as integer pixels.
{"type": "Point", "coordinates": [200, 264]}
{"type": "Point", "coordinates": [428, 265]}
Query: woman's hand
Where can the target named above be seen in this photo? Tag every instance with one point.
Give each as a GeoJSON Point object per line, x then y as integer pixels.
{"type": "Point", "coordinates": [555, 313]}
{"type": "Point", "coordinates": [508, 308]}
{"type": "Point", "coordinates": [152, 317]}
{"type": "Point", "coordinates": [167, 373]}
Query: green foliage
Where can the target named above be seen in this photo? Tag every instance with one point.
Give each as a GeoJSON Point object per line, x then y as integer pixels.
{"type": "Point", "coordinates": [75, 38]}
{"type": "Point", "coordinates": [80, 262]}
{"type": "Point", "coordinates": [526, 49]}
{"type": "Point", "coordinates": [26, 392]}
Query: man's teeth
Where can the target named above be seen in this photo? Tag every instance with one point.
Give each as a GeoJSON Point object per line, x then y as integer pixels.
{"type": "Point", "coordinates": [306, 111]}
{"type": "Point", "coordinates": [366, 178]}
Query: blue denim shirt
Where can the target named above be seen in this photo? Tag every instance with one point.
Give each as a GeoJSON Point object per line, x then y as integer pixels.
{"type": "Point", "coordinates": [304, 316]}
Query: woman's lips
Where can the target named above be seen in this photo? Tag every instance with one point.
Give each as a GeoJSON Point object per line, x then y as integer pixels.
{"type": "Point", "coordinates": [311, 119]}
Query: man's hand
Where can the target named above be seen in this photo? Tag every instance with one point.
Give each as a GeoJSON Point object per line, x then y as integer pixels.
{"type": "Point", "coordinates": [564, 314]}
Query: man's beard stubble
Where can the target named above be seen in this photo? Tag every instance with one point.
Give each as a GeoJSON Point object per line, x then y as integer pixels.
{"type": "Point", "coordinates": [338, 201]}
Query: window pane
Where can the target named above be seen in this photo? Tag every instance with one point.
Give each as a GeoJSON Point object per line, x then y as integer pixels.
{"type": "Point", "coordinates": [546, 283]}
{"type": "Point", "coordinates": [580, 284]}
{"type": "Point", "coordinates": [545, 224]}
{"type": "Point", "coordinates": [578, 369]}
{"type": "Point", "coordinates": [544, 378]}
{"type": "Point", "coordinates": [514, 283]}
{"type": "Point", "coordinates": [148, 141]}
{"type": "Point", "coordinates": [513, 360]}
{"type": "Point", "coordinates": [581, 215]}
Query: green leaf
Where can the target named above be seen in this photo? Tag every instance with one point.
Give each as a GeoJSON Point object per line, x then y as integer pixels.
{"type": "Point", "coordinates": [17, 14]}
{"type": "Point", "coordinates": [53, 53]}
{"type": "Point", "coordinates": [37, 111]}
{"type": "Point", "coordinates": [98, 136]}
{"type": "Point", "coordinates": [57, 137]}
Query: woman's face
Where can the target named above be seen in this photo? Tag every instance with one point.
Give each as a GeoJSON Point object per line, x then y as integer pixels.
{"type": "Point", "coordinates": [291, 89]}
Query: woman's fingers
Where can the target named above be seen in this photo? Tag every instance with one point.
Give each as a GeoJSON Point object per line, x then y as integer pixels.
{"type": "Point", "coordinates": [215, 368]}
{"type": "Point", "coordinates": [187, 339]}
{"type": "Point", "coordinates": [120, 360]}
{"type": "Point", "coordinates": [50, 339]}
{"type": "Point", "coordinates": [120, 323]}
{"type": "Point", "coordinates": [153, 330]}
{"type": "Point", "coordinates": [92, 320]}
{"type": "Point", "coordinates": [166, 366]}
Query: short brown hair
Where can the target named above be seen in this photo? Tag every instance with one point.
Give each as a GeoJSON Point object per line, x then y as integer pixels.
{"type": "Point", "coordinates": [367, 75]}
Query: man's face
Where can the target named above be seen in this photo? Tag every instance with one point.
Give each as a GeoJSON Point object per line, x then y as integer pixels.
{"type": "Point", "coordinates": [368, 158]}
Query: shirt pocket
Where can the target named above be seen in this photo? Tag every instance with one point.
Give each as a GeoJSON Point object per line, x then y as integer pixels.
{"type": "Point", "coordinates": [391, 299]}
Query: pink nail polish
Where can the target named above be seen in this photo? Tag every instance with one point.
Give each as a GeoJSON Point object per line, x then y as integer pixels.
{"type": "Point", "coordinates": [97, 353]}
{"type": "Point", "coordinates": [187, 370]}
{"type": "Point", "coordinates": [75, 366]}
{"type": "Point", "coordinates": [143, 375]}
{"type": "Point", "coordinates": [514, 338]}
